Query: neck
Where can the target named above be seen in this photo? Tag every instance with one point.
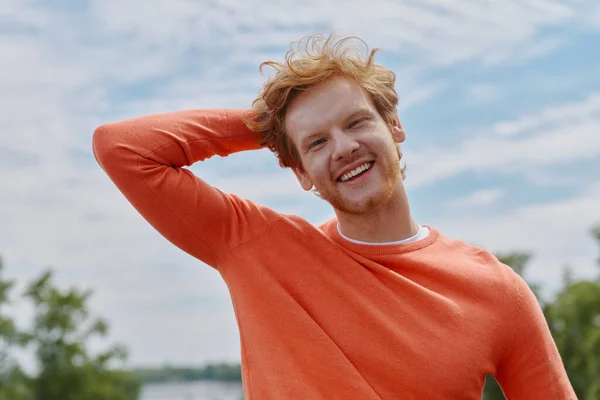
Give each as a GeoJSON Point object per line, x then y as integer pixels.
{"type": "Point", "coordinates": [389, 222]}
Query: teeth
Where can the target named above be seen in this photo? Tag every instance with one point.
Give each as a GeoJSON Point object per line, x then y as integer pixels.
{"type": "Point", "coordinates": [356, 171]}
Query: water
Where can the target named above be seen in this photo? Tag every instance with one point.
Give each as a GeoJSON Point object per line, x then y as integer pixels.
{"type": "Point", "coordinates": [202, 390]}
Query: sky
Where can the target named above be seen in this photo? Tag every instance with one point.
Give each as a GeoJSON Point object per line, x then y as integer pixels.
{"type": "Point", "coordinates": [500, 101]}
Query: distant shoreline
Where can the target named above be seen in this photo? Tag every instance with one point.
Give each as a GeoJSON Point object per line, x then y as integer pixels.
{"type": "Point", "coordinates": [222, 372]}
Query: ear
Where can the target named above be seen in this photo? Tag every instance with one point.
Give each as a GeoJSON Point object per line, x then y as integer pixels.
{"type": "Point", "coordinates": [303, 178]}
{"type": "Point", "coordinates": [398, 133]}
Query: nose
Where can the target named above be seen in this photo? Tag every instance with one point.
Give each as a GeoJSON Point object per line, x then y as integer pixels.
{"type": "Point", "coordinates": [344, 145]}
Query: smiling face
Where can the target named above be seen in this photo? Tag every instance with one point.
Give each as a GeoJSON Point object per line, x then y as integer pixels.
{"type": "Point", "coordinates": [348, 152]}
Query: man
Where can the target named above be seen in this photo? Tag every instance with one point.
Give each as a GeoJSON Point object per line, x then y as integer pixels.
{"type": "Point", "coordinates": [370, 305]}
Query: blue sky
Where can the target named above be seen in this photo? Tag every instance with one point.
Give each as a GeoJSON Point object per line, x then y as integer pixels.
{"type": "Point", "coordinates": [500, 101]}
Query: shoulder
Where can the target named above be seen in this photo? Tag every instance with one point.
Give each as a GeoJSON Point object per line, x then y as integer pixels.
{"type": "Point", "coordinates": [481, 264]}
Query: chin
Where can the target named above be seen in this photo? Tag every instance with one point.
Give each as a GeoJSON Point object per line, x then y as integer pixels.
{"type": "Point", "coordinates": [358, 206]}
{"type": "Point", "coordinates": [357, 202]}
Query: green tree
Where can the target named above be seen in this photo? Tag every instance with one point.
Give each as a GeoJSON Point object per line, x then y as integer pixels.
{"type": "Point", "coordinates": [574, 319]}
{"type": "Point", "coordinates": [14, 384]}
{"type": "Point", "coordinates": [60, 335]}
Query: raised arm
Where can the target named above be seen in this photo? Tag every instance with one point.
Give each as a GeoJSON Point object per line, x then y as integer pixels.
{"type": "Point", "coordinates": [531, 367]}
{"type": "Point", "coordinates": [145, 158]}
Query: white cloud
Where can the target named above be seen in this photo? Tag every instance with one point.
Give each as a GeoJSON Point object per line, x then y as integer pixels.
{"type": "Point", "coordinates": [483, 93]}
{"type": "Point", "coordinates": [558, 135]}
{"type": "Point", "coordinates": [21, 13]}
{"type": "Point", "coordinates": [562, 115]}
{"type": "Point", "coordinates": [524, 51]}
{"type": "Point", "coordinates": [592, 16]}
{"type": "Point", "coordinates": [439, 32]}
{"type": "Point", "coordinates": [411, 96]}
{"type": "Point", "coordinates": [484, 197]}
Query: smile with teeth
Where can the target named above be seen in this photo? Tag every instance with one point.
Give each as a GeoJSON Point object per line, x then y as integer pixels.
{"type": "Point", "coordinates": [355, 171]}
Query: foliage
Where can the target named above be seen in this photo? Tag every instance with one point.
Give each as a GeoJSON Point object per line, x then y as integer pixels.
{"type": "Point", "coordinates": [61, 330]}
{"type": "Point", "coordinates": [14, 384]}
{"type": "Point", "coordinates": [574, 319]}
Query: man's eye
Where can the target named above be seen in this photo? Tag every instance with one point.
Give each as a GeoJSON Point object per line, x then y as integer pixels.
{"type": "Point", "coordinates": [354, 123]}
{"type": "Point", "coordinates": [317, 142]}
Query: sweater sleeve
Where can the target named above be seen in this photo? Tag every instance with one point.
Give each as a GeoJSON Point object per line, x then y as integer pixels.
{"type": "Point", "coordinates": [145, 158]}
{"type": "Point", "coordinates": [531, 367]}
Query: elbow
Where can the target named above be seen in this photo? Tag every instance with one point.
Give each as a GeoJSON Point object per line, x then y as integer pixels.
{"type": "Point", "coordinates": [103, 139]}
{"type": "Point", "coordinates": [100, 135]}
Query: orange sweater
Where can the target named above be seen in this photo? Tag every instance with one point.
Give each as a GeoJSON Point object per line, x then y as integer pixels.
{"type": "Point", "coordinates": [321, 317]}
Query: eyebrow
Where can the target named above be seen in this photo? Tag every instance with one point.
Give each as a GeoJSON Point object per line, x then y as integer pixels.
{"type": "Point", "coordinates": [352, 115]}
{"type": "Point", "coordinates": [357, 112]}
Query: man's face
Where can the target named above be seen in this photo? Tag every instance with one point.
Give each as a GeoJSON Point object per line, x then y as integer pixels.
{"type": "Point", "coordinates": [336, 130]}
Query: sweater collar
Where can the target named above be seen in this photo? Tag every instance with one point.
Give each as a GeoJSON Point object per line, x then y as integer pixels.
{"type": "Point", "coordinates": [330, 229]}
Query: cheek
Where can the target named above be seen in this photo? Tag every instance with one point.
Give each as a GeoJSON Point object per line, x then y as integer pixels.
{"type": "Point", "coordinates": [388, 146]}
{"type": "Point", "coordinates": [318, 168]}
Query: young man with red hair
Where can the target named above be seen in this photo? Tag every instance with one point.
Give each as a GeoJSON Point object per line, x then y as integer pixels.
{"type": "Point", "coordinates": [369, 305]}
